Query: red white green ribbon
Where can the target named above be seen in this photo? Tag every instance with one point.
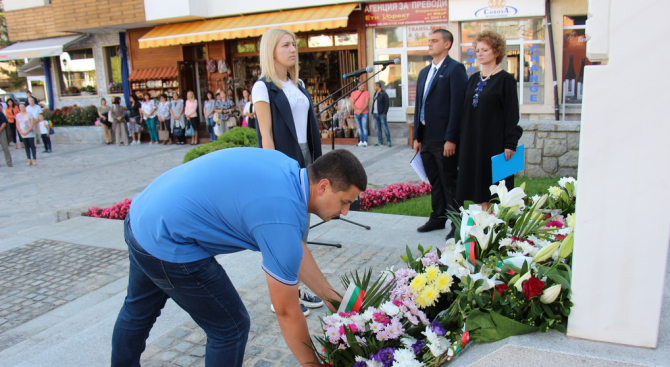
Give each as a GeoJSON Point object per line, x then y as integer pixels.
{"type": "Point", "coordinates": [470, 252]}
{"type": "Point", "coordinates": [352, 300]}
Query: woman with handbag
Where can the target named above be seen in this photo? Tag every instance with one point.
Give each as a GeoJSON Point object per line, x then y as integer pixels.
{"type": "Point", "coordinates": [134, 127]}
{"type": "Point", "coordinates": [191, 114]}
{"type": "Point", "coordinates": [280, 101]}
{"type": "Point", "coordinates": [163, 114]}
{"type": "Point", "coordinates": [119, 122]}
{"type": "Point", "coordinates": [208, 108]}
{"type": "Point", "coordinates": [177, 124]}
{"type": "Point", "coordinates": [225, 107]}
{"type": "Point", "coordinates": [103, 113]}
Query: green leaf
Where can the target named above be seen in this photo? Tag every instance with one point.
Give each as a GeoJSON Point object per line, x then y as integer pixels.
{"type": "Point", "coordinates": [537, 310]}
{"type": "Point", "coordinates": [478, 299]}
{"type": "Point", "coordinates": [559, 327]}
{"type": "Point", "coordinates": [547, 309]}
{"type": "Point", "coordinates": [409, 254]}
{"type": "Point", "coordinates": [404, 258]}
{"type": "Point", "coordinates": [559, 279]}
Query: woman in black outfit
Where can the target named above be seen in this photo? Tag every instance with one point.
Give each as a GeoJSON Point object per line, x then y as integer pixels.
{"type": "Point", "coordinates": [134, 126]}
{"type": "Point", "coordinates": [489, 123]}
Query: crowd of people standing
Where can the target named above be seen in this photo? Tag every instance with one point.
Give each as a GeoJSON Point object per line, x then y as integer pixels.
{"type": "Point", "coordinates": [23, 124]}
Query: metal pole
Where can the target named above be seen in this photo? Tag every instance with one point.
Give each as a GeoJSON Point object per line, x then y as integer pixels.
{"type": "Point", "coordinates": [553, 59]}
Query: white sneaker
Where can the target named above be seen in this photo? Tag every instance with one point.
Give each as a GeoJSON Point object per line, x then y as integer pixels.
{"type": "Point", "coordinates": [365, 143]}
{"type": "Point", "coordinates": [360, 143]}
{"type": "Point", "coordinates": [308, 299]}
{"type": "Point", "coordinates": [137, 142]}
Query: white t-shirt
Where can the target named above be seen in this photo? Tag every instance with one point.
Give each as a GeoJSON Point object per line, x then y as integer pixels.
{"type": "Point", "coordinates": [34, 111]}
{"type": "Point", "coordinates": [297, 100]}
{"type": "Point", "coordinates": [44, 126]}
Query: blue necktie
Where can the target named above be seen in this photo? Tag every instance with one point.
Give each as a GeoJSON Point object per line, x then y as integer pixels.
{"type": "Point", "coordinates": [423, 102]}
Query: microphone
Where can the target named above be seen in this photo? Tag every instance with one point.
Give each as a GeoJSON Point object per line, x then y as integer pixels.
{"type": "Point", "coordinates": [369, 69]}
{"type": "Point", "coordinates": [388, 62]}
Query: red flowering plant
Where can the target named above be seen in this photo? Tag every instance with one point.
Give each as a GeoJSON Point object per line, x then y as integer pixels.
{"type": "Point", "coordinates": [116, 211]}
{"type": "Point", "coordinates": [375, 198]}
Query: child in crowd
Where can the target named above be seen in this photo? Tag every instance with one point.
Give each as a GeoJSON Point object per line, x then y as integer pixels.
{"type": "Point", "coordinates": [45, 126]}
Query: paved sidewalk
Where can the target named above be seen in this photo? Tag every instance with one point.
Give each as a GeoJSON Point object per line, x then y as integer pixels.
{"type": "Point", "coordinates": [54, 306]}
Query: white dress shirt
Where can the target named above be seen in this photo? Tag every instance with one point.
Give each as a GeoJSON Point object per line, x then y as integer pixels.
{"type": "Point", "coordinates": [432, 70]}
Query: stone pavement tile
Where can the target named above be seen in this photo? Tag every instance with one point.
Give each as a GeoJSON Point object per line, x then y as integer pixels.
{"type": "Point", "coordinates": [38, 277]}
{"type": "Point", "coordinates": [266, 346]}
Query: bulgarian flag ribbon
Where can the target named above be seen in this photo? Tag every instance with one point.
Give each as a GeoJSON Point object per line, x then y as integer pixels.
{"type": "Point", "coordinates": [352, 300]}
{"type": "Point", "coordinates": [470, 252]}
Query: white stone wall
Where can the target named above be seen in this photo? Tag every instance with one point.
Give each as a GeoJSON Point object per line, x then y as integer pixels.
{"type": "Point", "coordinates": [552, 148]}
{"type": "Point", "coordinates": [97, 41]}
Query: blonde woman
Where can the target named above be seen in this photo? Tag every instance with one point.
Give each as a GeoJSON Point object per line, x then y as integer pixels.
{"type": "Point", "coordinates": [191, 113]}
{"type": "Point", "coordinates": [287, 123]}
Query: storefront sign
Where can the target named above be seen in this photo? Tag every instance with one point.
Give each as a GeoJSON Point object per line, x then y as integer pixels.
{"type": "Point", "coordinates": [417, 35]}
{"type": "Point", "coordinates": [405, 12]}
{"type": "Point", "coordinates": [462, 10]}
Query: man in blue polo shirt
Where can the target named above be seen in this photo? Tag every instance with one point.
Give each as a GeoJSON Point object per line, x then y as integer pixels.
{"type": "Point", "coordinates": [257, 199]}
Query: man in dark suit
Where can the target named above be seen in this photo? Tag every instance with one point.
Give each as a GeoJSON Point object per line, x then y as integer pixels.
{"type": "Point", "coordinates": [439, 100]}
{"type": "Point", "coordinates": [380, 107]}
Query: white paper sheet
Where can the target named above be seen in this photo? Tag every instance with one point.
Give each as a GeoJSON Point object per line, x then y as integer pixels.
{"type": "Point", "coordinates": [417, 164]}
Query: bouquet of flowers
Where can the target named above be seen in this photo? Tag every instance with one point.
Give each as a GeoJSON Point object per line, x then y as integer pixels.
{"type": "Point", "coordinates": [513, 264]}
{"type": "Point", "coordinates": [393, 328]}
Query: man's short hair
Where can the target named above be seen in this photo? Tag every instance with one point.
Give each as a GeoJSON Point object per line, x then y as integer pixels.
{"type": "Point", "coordinates": [379, 84]}
{"type": "Point", "coordinates": [446, 36]}
{"type": "Point", "coordinates": [341, 168]}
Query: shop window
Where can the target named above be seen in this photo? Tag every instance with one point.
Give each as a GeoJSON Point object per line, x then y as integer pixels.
{"type": "Point", "coordinates": [301, 42]}
{"type": "Point", "coordinates": [324, 40]}
{"type": "Point", "coordinates": [533, 74]}
{"type": "Point", "coordinates": [346, 39]}
{"type": "Point", "coordinates": [247, 45]}
{"type": "Point", "coordinates": [388, 37]}
{"type": "Point", "coordinates": [112, 69]}
{"type": "Point", "coordinates": [76, 72]}
{"type": "Point", "coordinates": [418, 35]}
{"type": "Point", "coordinates": [574, 58]}
{"type": "Point", "coordinates": [391, 79]}
{"type": "Point", "coordinates": [528, 29]}
{"type": "Point", "coordinates": [416, 60]}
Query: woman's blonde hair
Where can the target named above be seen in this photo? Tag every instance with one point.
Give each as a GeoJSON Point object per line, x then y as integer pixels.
{"type": "Point", "coordinates": [269, 42]}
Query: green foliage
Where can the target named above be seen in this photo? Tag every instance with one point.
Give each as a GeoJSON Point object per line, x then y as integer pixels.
{"type": "Point", "coordinates": [76, 116]}
{"type": "Point", "coordinates": [237, 137]}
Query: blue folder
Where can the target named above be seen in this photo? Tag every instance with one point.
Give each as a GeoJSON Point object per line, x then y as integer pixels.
{"type": "Point", "coordinates": [500, 168]}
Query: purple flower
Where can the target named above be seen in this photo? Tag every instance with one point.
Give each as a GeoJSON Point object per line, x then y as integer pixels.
{"type": "Point", "coordinates": [385, 356]}
{"type": "Point", "coordinates": [437, 328]}
{"type": "Point", "coordinates": [418, 346]}
{"type": "Point", "coordinates": [360, 364]}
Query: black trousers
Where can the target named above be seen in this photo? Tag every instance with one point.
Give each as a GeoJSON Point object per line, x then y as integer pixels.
{"type": "Point", "coordinates": [442, 173]}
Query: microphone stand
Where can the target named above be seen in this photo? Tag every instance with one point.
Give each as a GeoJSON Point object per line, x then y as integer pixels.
{"type": "Point", "coordinates": [332, 140]}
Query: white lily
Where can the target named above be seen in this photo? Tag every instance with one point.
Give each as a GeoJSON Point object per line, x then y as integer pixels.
{"type": "Point", "coordinates": [565, 180]}
{"type": "Point", "coordinates": [484, 239]}
{"type": "Point", "coordinates": [550, 294]}
{"type": "Point", "coordinates": [519, 283]}
{"type": "Point", "coordinates": [485, 219]}
{"type": "Point", "coordinates": [508, 199]}
{"type": "Point", "coordinates": [488, 282]}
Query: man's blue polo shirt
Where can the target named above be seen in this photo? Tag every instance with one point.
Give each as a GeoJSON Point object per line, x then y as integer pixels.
{"type": "Point", "coordinates": [227, 201]}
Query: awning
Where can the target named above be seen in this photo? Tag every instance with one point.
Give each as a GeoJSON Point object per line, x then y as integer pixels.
{"type": "Point", "coordinates": [149, 74]}
{"type": "Point", "coordinates": [299, 20]}
{"type": "Point", "coordinates": [47, 47]}
{"type": "Point", "coordinates": [31, 68]}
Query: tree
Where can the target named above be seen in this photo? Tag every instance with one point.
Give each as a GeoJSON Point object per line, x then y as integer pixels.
{"type": "Point", "coordinates": [9, 69]}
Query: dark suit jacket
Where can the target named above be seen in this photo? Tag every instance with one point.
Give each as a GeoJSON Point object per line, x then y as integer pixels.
{"type": "Point", "coordinates": [444, 103]}
{"type": "Point", "coordinates": [382, 103]}
{"type": "Point", "coordinates": [283, 127]}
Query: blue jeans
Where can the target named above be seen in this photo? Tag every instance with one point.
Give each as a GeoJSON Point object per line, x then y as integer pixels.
{"type": "Point", "coordinates": [210, 121]}
{"type": "Point", "coordinates": [201, 288]}
{"type": "Point", "coordinates": [381, 120]}
{"type": "Point", "coordinates": [362, 122]}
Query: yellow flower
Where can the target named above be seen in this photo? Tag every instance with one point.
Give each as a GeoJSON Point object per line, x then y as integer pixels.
{"type": "Point", "coordinates": [443, 282]}
{"type": "Point", "coordinates": [429, 296]}
{"type": "Point", "coordinates": [555, 192]}
{"type": "Point", "coordinates": [432, 272]}
{"type": "Point", "coordinates": [419, 301]}
{"type": "Point", "coordinates": [418, 283]}
{"type": "Point", "coordinates": [571, 220]}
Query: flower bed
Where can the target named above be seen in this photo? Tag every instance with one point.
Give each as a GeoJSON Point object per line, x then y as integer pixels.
{"type": "Point", "coordinates": [392, 194]}
{"type": "Point", "coordinates": [116, 211]}
{"type": "Point", "coordinates": [507, 272]}
{"type": "Point", "coordinates": [72, 116]}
